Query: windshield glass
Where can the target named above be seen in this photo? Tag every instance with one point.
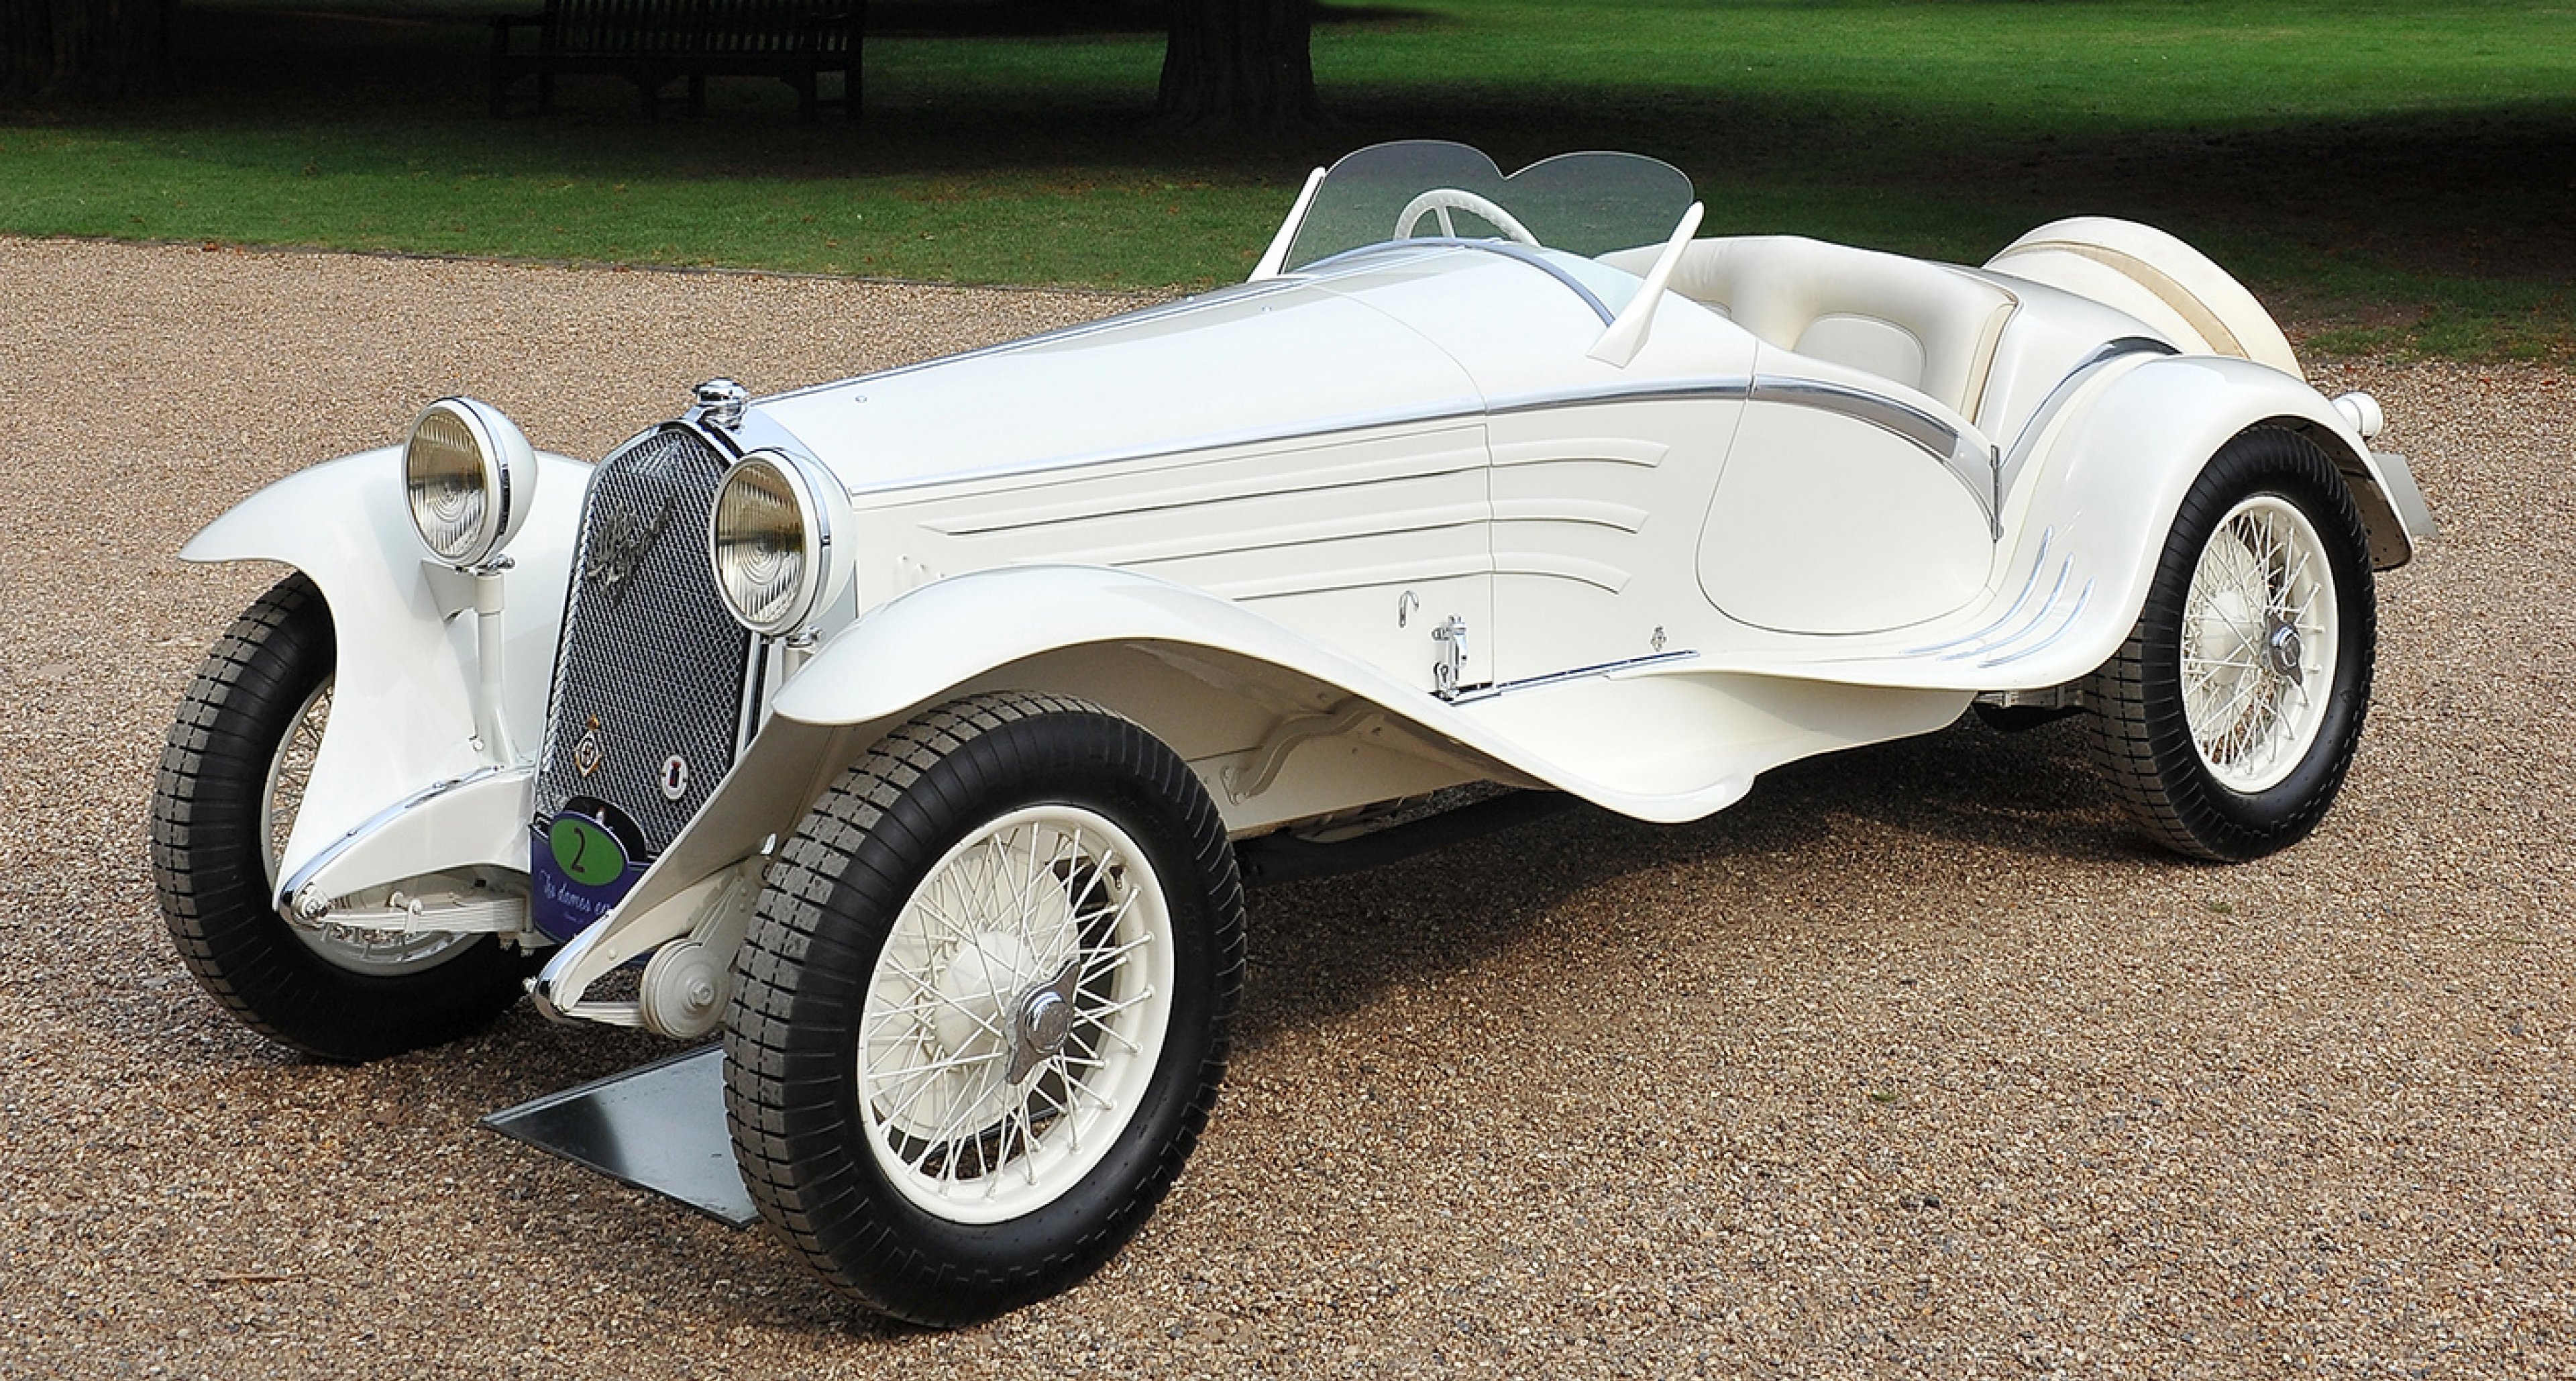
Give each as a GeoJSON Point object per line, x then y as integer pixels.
{"type": "Point", "coordinates": [1584, 203]}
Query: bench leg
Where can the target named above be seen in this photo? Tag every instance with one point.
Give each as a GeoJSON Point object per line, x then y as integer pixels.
{"type": "Point", "coordinates": [697, 93]}
{"type": "Point", "coordinates": [545, 92]}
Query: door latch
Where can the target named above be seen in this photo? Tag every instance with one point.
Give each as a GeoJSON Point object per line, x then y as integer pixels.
{"type": "Point", "coordinates": [1450, 671]}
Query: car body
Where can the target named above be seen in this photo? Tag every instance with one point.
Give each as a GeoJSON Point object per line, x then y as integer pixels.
{"type": "Point", "coordinates": [1478, 480]}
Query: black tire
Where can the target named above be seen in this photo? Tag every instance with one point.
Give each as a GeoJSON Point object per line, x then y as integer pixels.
{"type": "Point", "coordinates": [211, 862]}
{"type": "Point", "coordinates": [833, 899]}
{"type": "Point", "coordinates": [2140, 730]}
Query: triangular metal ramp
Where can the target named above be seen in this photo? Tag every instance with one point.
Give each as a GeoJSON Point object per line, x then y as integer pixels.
{"type": "Point", "coordinates": [659, 1126]}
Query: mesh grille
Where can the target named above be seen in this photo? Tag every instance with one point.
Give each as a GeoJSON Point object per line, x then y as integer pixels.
{"type": "Point", "coordinates": [648, 649]}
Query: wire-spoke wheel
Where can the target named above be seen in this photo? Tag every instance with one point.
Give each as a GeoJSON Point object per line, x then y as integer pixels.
{"type": "Point", "coordinates": [2228, 719]}
{"type": "Point", "coordinates": [1016, 1014]}
{"type": "Point", "coordinates": [980, 1017]}
{"type": "Point", "coordinates": [2258, 643]}
{"type": "Point", "coordinates": [232, 778]}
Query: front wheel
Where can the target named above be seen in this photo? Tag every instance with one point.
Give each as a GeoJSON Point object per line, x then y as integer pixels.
{"type": "Point", "coordinates": [2227, 721]}
{"type": "Point", "coordinates": [981, 1014]}
{"type": "Point", "coordinates": [232, 777]}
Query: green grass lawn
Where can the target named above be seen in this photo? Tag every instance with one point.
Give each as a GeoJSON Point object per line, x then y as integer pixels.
{"type": "Point", "coordinates": [2402, 174]}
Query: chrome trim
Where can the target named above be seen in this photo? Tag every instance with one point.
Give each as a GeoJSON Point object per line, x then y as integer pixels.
{"type": "Point", "coordinates": [1725, 389]}
{"type": "Point", "coordinates": [2017, 456]}
{"type": "Point", "coordinates": [2029, 583]}
{"type": "Point", "coordinates": [1477, 693]}
{"type": "Point", "coordinates": [289, 902]}
{"type": "Point", "coordinates": [754, 431]}
{"type": "Point", "coordinates": [2083, 597]}
{"type": "Point", "coordinates": [1959, 451]}
{"type": "Point", "coordinates": [2064, 570]}
{"type": "Point", "coordinates": [1935, 436]}
{"type": "Point", "coordinates": [720, 402]}
{"type": "Point", "coordinates": [1451, 635]}
{"type": "Point", "coordinates": [495, 437]}
{"type": "Point", "coordinates": [1506, 248]}
{"type": "Point", "coordinates": [809, 480]}
{"type": "Point", "coordinates": [1962, 452]}
{"type": "Point", "coordinates": [755, 696]}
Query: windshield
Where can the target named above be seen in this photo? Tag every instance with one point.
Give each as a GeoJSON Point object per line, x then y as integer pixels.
{"type": "Point", "coordinates": [1584, 203]}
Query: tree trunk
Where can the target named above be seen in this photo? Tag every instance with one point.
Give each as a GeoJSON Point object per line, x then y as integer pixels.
{"type": "Point", "coordinates": [99, 49]}
{"type": "Point", "coordinates": [1240, 64]}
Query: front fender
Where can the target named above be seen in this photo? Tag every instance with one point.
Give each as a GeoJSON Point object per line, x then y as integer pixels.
{"type": "Point", "coordinates": [1060, 627]}
{"type": "Point", "coordinates": [402, 708]}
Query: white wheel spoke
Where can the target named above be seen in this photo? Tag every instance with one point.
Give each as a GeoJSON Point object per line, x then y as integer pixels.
{"type": "Point", "coordinates": [2261, 599]}
{"type": "Point", "coordinates": [1045, 895]}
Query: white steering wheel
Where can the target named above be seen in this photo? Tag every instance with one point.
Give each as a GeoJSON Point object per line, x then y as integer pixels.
{"type": "Point", "coordinates": [1442, 200]}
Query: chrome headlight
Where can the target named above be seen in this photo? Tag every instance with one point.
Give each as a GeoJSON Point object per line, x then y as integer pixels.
{"type": "Point", "coordinates": [771, 542]}
{"type": "Point", "coordinates": [471, 477]}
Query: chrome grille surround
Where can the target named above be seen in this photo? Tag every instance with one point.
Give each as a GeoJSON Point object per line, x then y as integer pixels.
{"type": "Point", "coordinates": [647, 647]}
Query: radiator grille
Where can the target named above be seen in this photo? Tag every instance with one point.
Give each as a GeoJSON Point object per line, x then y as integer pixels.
{"type": "Point", "coordinates": [648, 650]}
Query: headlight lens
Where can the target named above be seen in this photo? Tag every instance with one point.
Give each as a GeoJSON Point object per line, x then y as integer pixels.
{"type": "Point", "coordinates": [771, 543]}
{"type": "Point", "coordinates": [469, 475]}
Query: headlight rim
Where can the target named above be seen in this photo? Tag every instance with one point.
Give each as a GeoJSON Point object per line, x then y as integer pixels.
{"type": "Point", "coordinates": [812, 490]}
{"type": "Point", "coordinates": [509, 478]}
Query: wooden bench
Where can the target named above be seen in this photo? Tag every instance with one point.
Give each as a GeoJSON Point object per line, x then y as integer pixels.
{"type": "Point", "coordinates": [653, 42]}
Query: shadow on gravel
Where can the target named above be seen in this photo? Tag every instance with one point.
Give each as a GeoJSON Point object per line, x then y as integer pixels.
{"type": "Point", "coordinates": [1331, 947]}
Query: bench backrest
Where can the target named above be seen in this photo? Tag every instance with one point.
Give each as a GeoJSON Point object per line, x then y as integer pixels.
{"type": "Point", "coordinates": [691, 26]}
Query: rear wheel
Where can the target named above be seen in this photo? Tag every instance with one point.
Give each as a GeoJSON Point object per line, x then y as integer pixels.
{"type": "Point", "coordinates": [232, 777]}
{"type": "Point", "coordinates": [2228, 719]}
{"type": "Point", "coordinates": [981, 1014]}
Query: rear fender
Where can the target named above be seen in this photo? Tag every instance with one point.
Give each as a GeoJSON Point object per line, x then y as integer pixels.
{"type": "Point", "coordinates": [2109, 473]}
{"type": "Point", "coordinates": [402, 708]}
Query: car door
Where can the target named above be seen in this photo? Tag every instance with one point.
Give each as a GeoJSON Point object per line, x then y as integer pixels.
{"type": "Point", "coordinates": [1845, 507]}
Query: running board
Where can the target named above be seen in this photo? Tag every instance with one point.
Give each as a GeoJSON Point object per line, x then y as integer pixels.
{"type": "Point", "coordinates": [659, 1127]}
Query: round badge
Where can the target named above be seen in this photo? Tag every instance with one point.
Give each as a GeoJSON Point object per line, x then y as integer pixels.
{"type": "Point", "coordinates": [587, 853]}
{"type": "Point", "coordinates": [675, 777]}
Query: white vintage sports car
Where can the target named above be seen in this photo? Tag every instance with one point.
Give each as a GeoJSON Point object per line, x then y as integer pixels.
{"type": "Point", "coordinates": [918, 732]}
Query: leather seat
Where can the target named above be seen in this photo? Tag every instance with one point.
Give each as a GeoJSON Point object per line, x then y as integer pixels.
{"type": "Point", "coordinates": [1927, 326]}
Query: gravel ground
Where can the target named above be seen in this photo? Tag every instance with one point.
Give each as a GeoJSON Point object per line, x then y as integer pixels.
{"type": "Point", "coordinates": [1915, 1062]}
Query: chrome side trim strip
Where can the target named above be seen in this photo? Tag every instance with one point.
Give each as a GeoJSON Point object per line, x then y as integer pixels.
{"type": "Point", "coordinates": [1963, 453]}
{"type": "Point", "coordinates": [1554, 678]}
{"type": "Point", "coordinates": [1721, 389]}
{"type": "Point", "coordinates": [294, 886]}
{"type": "Point", "coordinates": [2029, 583]}
{"type": "Point", "coordinates": [2018, 455]}
{"type": "Point", "coordinates": [1935, 436]}
{"type": "Point", "coordinates": [2038, 616]}
{"type": "Point", "coordinates": [2082, 597]}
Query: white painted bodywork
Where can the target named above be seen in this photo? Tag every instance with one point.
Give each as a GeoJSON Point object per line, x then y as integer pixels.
{"type": "Point", "coordinates": [1820, 498]}
{"type": "Point", "coordinates": [402, 715]}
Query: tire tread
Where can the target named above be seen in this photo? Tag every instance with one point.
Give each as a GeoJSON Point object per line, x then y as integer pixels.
{"type": "Point", "coordinates": [764, 1094]}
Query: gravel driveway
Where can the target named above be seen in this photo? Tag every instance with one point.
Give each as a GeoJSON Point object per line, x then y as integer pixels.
{"type": "Point", "coordinates": [1916, 1062]}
